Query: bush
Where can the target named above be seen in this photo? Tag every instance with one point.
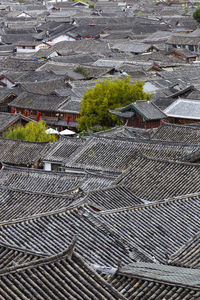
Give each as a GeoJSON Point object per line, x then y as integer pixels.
{"type": "Point", "coordinates": [82, 71]}
{"type": "Point", "coordinates": [32, 132]}
{"type": "Point", "coordinates": [196, 15]}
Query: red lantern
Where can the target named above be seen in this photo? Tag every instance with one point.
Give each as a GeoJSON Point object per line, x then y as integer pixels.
{"type": "Point", "coordinates": [25, 113]}
{"type": "Point", "coordinates": [68, 118]}
{"type": "Point", "coordinates": [38, 116]}
{"type": "Point", "coordinates": [13, 110]}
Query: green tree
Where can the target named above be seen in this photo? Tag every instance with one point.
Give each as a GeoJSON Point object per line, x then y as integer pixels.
{"type": "Point", "coordinates": [196, 15]}
{"type": "Point", "coordinates": [108, 94]}
{"type": "Point", "coordinates": [32, 132]}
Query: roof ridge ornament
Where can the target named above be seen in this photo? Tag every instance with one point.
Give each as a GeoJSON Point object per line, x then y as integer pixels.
{"type": "Point", "coordinates": [71, 247]}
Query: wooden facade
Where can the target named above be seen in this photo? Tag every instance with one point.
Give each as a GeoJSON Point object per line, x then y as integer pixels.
{"type": "Point", "coordinates": [140, 122]}
{"type": "Point", "coordinates": [53, 118]}
{"type": "Point", "coordinates": [4, 103]}
{"type": "Point", "coordinates": [140, 114]}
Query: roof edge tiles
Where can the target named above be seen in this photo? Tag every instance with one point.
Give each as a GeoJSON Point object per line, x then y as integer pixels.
{"type": "Point", "coordinates": [150, 204]}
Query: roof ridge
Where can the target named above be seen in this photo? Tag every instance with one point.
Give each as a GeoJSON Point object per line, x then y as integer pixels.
{"type": "Point", "coordinates": [30, 170]}
{"type": "Point", "coordinates": [72, 206]}
{"type": "Point", "coordinates": [61, 255]}
{"type": "Point", "coordinates": [153, 266]}
{"type": "Point", "coordinates": [142, 140]}
{"type": "Point", "coordinates": [150, 204]}
{"type": "Point", "coordinates": [172, 162]}
{"type": "Point", "coordinates": [186, 244]}
{"type": "Point", "coordinates": [23, 141]}
{"type": "Point", "coordinates": [16, 248]}
{"type": "Point", "coordinates": [58, 195]}
{"type": "Point", "coordinates": [179, 125]}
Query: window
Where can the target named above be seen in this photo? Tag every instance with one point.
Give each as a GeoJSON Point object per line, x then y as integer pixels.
{"type": "Point", "coordinates": [191, 48]}
{"type": "Point", "coordinates": [55, 167]}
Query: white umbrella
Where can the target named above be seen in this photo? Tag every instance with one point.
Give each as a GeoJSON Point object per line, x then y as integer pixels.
{"type": "Point", "coordinates": [51, 131]}
{"type": "Point", "coordinates": [67, 132]}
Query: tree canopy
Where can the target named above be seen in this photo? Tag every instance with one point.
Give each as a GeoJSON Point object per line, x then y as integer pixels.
{"type": "Point", "coordinates": [108, 94]}
{"type": "Point", "coordinates": [31, 132]}
{"type": "Point", "coordinates": [196, 15]}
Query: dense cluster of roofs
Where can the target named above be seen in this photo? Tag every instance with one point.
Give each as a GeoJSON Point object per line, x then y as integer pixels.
{"type": "Point", "coordinates": [114, 215]}
{"type": "Point", "coordinates": [52, 52]}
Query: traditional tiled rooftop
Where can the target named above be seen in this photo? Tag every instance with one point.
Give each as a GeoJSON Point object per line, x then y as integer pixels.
{"type": "Point", "coordinates": [188, 254]}
{"type": "Point", "coordinates": [154, 179]}
{"type": "Point", "coordinates": [112, 197]}
{"type": "Point", "coordinates": [155, 281]}
{"type": "Point", "coordinates": [14, 256]}
{"type": "Point", "coordinates": [128, 196]}
{"type": "Point", "coordinates": [125, 131]}
{"type": "Point", "coordinates": [21, 153]}
{"type": "Point", "coordinates": [61, 150]}
{"type": "Point", "coordinates": [51, 233]}
{"type": "Point", "coordinates": [62, 276]}
{"type": "Point", "coordinates": [116, 154]}
{"type": "Point", "coordinates": [160, 228]}
{"type": "Point", "coordinates": [177, 133]}
{"type": "Point", "coordinates": [52, 182]}
{"type": "Point", "coordinates": [17, 204]}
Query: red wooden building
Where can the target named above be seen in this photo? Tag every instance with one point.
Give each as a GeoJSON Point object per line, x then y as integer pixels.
{"type": "Point", "coordinates": [141, 114]}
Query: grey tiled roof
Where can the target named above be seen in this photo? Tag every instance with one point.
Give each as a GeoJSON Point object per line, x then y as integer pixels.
{"type": "Point", "coordinates": [177, 133]}
{"type": "Point", "coordinates": [163, 102]}
{"type": "Point", "coordinates": [183, 52]}
{"type": "Point", "coordinates": [13, 256]}
{"type": "Point", "coordinates": [154, 179]}
{"type": "Point", "coordinates": [77, 58]}
{"type": "Point", "coordinates": [88, 30]}
{"type": "Point", "coordinates": [62, 149]}
{"type": "Point", "coordinates": [131, 46]}
{"type": "Point", "coordinates": [51, 182]}
{"type": "Point", "coordinates": [156, 281]}
{"type": "Point", "coordinates": [14, 38]}
{"type": "Point", "coordinates": [62, 276]}
{"type": "Point", "coordinates": [53, 232]}
{"type": "Point", "coordinates": [186, 75]}
{"type": "Point", "coordinates": [112, 197]}
{"type": "Point", "coordinates": [188, 254]}
{"type": "Point", "coordinates": [44, 87]}
{"type": "Point", "coordinates": [21, 153]}
{"type": "Point", "coordinates": [18, 204]}
{"type": "Point", "coordinates": [19, 64]}
{"type": "Point", "coordinates": [183, 40]}
{"type": "Point", "coordinates": [125, 131]}
{"type": "Point", "coordinates": [84, 46]}
{"type": "Point", "coordinates": [7, 119]}
{"type": "Point", "coordinates": [116, 154]}
{"type": "Point", "coordinates": [38, 101]}
{"type": "Point", "coordinates": [73, 106]}
{"type": "Point", "coordinates": [184, 108]}
{"type": "Point", "coordinates": [160, 228]}
{"type": "Point", "coordinates": [148, 110]}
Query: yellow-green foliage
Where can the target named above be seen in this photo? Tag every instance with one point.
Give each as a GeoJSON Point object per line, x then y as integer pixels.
{"type": "Point", "coordinates": [108, 94]}
{"type": "Point", "coordinates": [82, 71]}
{"type": "Point", "coordinates": [32, 132]}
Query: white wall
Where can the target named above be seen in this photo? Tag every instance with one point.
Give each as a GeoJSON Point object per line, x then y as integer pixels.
{"type": "Point", "coordinates": [54, 54]}
{"type": "Point", "coordinates": [47, 166]}
{"type": "Point", "coordinates": [8, 83]}
{"type": "Point", "coordinates": [60, 38]}
{"type": "Point", "coordinates": [23, 15]}
{"type": "Point", "coordinates": [19, 49]}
